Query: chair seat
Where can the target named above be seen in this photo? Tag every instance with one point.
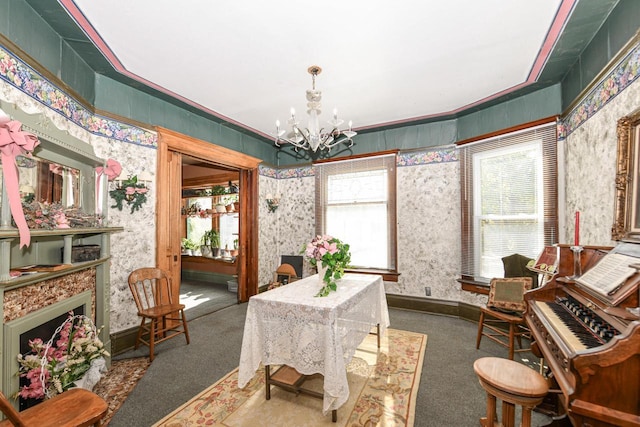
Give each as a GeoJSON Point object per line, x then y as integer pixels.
{"type": "Point", "coordinates": [161, 310]}
{"type": "Point", "coordinates": [502, 315]}
{"type": "Point", "coordinates": [73, 408]}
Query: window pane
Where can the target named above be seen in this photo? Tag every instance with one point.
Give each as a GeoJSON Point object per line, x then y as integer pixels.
{"type": "Point", "coordinates": [365, 186]}
{"type": "Point", "coordinates": [509, 211]}
{"type": "Point", "coordinates": [228, 230]}
{"type": "Point", "coordinates": [355, 202]}
{"type": "Point", "coordinates": [502, 238]}
{"type": "Point", "coordinates": [197, 226]}
{"type": "Point", "coordinates": [364, 228]}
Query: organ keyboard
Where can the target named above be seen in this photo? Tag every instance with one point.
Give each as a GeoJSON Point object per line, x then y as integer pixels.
{"type": "Point", "coordinates": [590, 342]}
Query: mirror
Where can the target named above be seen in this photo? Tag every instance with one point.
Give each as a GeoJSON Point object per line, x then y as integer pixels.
{"type": "Point", "coordinates": [627, 201]}
{"type": "Point", "coordinates": [45, 181]}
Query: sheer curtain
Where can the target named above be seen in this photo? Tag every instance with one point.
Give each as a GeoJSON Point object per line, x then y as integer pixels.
{"type": "Point", "coordinates": [356, 203]}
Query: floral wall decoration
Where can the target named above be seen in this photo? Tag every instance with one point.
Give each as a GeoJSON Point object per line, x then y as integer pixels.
{"type": "Point", "coordinates": [132, 191]}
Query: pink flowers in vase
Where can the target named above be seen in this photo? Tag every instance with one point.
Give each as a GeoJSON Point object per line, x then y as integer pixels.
{"type": "Point", "coordinates": [331, 253]}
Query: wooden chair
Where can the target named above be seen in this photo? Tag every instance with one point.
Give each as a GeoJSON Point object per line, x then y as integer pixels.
{"type": "Point", "coordinates": [73, 408]}
{"type": "Point", "coordinates": [162, 314]}
{"type": "Point", "coordinates": [503, 315]}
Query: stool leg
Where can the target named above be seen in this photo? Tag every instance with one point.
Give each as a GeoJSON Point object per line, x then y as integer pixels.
{"type": "Point", "coordinates": [491, 412]}
{"type": "Point", "coordinates": [508, 414]}
{"type": "Point", "coordinates": [526, 417]}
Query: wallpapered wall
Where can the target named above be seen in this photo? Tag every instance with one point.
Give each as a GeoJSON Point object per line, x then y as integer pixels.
{"type": "Point", "coordinates": [428, 187]}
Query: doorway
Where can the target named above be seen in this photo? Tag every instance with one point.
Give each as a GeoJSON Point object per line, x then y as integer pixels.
{"type": "Point", "coordinates": [172, 149]}
{"type": "Point", "coordinates": [210, 220]}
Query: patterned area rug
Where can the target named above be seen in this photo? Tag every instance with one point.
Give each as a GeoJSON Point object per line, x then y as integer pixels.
{"type": "Point", "coordinates": [117, 383]}
{"type": "Point", "coordinates": [383, 388]}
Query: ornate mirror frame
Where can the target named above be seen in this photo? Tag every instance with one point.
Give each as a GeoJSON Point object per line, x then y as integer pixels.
{"type": "Point", "coordinates": [626, 224]}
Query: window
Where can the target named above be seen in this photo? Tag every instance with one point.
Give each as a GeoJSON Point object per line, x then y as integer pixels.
{"type": "Point", "coordinates": [356, 203]}
{"type": "Point", "coordinates": [509, 199]}
{"type": "Point", "coordinates": [226, 224]}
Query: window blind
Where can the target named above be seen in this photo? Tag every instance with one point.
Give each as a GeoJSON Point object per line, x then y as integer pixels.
{"type": "Point", "coordinates": [508, 198]}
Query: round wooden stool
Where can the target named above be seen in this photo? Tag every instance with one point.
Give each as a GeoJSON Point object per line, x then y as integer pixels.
{"type": "Point", "coordinates": [514, 384]}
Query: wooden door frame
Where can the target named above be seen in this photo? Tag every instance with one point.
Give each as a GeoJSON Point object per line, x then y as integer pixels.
{"type": "Point", "coordinates": [166, 249]}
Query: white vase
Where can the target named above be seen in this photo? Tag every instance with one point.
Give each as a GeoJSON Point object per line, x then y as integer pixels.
{"type": "Point", "coordinates": [321, 272]}
{"type": "Point", "coordinates": [93, 375]}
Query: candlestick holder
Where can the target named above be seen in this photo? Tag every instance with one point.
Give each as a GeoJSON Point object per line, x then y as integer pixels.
{"type": "Point", "coordinates": [577, 267]}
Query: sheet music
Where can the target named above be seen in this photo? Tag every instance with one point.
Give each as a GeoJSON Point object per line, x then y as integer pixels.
{"type": "Point", "coordinates": [609, 273]}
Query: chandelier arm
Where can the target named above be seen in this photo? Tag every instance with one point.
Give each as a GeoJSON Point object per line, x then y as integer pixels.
{"type": "Point", "coordinates": [341, 140]}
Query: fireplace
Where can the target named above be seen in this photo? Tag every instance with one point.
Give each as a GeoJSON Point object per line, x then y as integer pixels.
{"type": "Point", "coordinates": [39, 304]}
{"type": "Point", "coordinates": [45, 331]}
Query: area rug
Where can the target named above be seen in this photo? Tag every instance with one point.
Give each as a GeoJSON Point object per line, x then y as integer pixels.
{"type": "Point", "coordinates": [117, 383]}
{"type": "Point", "coordinates": [383, 387]}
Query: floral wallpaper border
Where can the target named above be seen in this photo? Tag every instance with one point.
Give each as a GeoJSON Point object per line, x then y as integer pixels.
{"type": "Point", "coordinates": [620, 77]}
{"type": "Point", "coordinates": [414, 158]}
{"type": "Point", "coordinates": [27, 80]}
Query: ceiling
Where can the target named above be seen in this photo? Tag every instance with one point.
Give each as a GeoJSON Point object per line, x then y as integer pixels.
{"type": "Point", "coordinates": [383, 63]}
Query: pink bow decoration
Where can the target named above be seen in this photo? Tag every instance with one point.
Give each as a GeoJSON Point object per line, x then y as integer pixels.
{"type": "Point", "coordinates": [15, 142]}
{"type": "Point", "coordinates": [112, 170]}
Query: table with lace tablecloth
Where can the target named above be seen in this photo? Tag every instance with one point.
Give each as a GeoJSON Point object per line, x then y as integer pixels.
{"type": "Point", "coordinates": [290, 326]}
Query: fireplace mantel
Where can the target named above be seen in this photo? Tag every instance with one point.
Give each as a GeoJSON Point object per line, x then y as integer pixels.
{"type": "Point", "coordinates": [32, 298]}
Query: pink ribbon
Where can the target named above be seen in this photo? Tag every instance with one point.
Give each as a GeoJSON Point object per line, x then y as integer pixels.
{"type": "Point", "coordinates": [14, 142]}
{"type": "Point", "coordinates": [112, 171]}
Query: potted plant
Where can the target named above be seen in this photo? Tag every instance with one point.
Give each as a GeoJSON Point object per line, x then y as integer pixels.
{"type": "Point", "coordinates": [205, 247]}
{"type": "Point", "coordinates": [213, 238]}
{"type": "Point", "coordinates": [220, 206]}
{"type": "Point", "coordinates": [234, 251]}
{"type": "Point", "coordinates": [188, 246]}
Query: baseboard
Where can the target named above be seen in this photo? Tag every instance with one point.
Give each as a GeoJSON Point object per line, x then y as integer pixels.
{"type": "Point", "coordinates": [206, 276]}
{"type": "Point", "coordinates": [125, 340]}
{"type": "Point", "coordinates": [435, 306]}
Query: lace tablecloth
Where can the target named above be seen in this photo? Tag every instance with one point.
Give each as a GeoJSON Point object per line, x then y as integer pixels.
{"type": "Point", "coordinates": [289, 326]}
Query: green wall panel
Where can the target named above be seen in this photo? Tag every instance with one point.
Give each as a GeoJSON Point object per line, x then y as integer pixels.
{"type": "Point", "coordinates": [77, 74]}
{"type": "Point", "coordinates": [31, 33]}
{"type": "Point", "coordinates": [26, 29]}
{"type": "Point", "coordinates": [129, 102]}
{"type": "Point", "coordinates": [619, 28]}
{"type": "Point", "coordinates": [534, 106]}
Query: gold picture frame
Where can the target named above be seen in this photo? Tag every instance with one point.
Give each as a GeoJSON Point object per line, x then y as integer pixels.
{"type": "Point", "coordinates": [626, 224]}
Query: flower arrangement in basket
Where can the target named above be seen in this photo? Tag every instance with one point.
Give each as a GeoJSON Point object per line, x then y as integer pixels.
{"type": "Point", "coordinates": [58, 365]}
{"type": "Point", "coordinates": [330, 253]}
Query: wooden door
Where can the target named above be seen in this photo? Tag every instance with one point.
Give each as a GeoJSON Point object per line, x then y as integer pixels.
{"type": "Point", "coordinates": [168, 218]}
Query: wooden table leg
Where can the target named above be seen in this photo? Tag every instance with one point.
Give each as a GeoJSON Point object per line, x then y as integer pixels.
{"type": "Point", "coordinates": [334, 416]}
{"type": "Point", "coordinates": [267, 378]}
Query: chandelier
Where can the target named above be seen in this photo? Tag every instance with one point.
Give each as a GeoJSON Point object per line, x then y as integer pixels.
{"type": "Point", "coordinates": [313, 137]}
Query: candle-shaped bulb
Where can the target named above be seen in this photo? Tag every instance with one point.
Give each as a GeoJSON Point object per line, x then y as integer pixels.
{"type": "Point", "coordinates": [350, 124]}
{"type": "Point", "coordinates": [335, 113]}
{"type": "Point", "coordinates": [277, 124]}
{"type": "Point", "coordinates": [577, 229]}
{"type": "Point", "coordinates": [293, 112]}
